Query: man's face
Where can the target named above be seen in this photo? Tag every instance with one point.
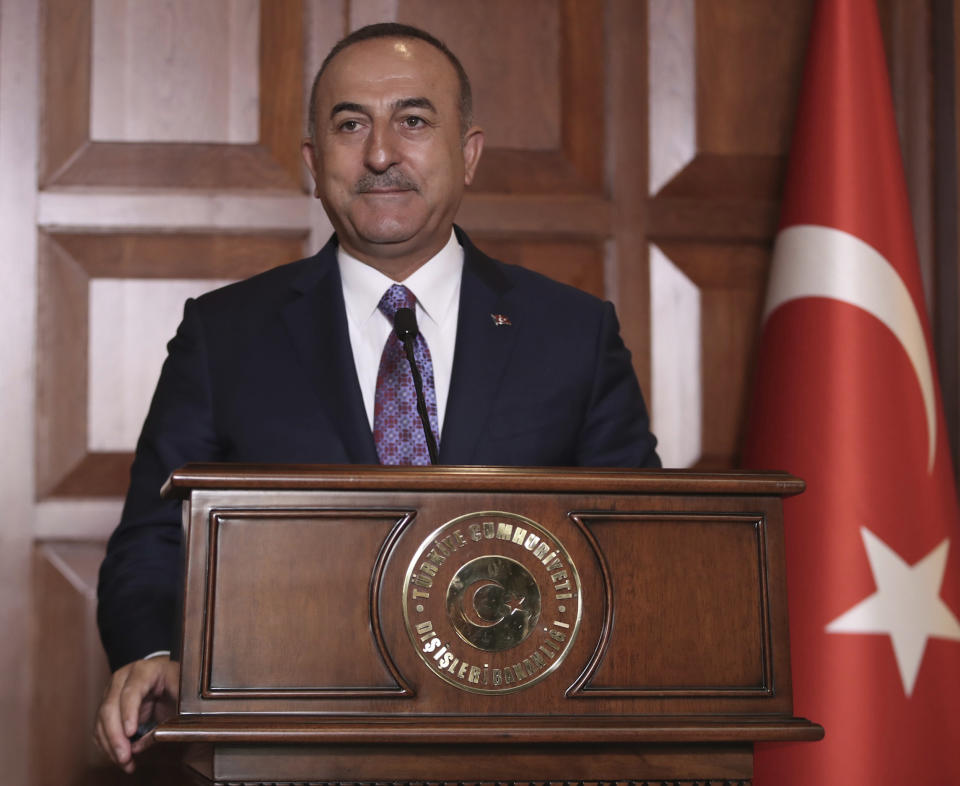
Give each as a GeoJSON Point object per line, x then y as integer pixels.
{"type": "Point", "coordinates": [389, 159]}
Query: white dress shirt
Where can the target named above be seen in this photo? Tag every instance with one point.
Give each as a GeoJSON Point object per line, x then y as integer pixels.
{"type": "Point", "coordinates": [436, 286]}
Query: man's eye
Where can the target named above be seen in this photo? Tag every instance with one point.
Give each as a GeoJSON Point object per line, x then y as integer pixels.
{"type": "Point", "coordinates": [349, 125]}
{"type": "Point", "coordinates": [412, 122]}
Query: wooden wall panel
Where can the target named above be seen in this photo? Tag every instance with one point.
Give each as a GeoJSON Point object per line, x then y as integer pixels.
{"type": "Point", "coordinates": [716, 191]}
{"type": "Point", "coordinates": [19, 88]}
{"type": "Point", "coordinates": [746, 72]}
{"type": "Point", "coordinates": [676, 351]}
{"type": "Point", "coordinates": [730, 282]}
{"type": "Point", "coordinates": [66, 699]}
{"type": "Point", "coordinates": [175, 71]}
{"type": "Point", "coordinates": [576, 262]}
{"type": "Point", "coordinates": [61, 406]}
{"type": "Point", "coordinates": [627, 166]}
{"type": "Point", "coordinates": [71, 156]}
{"type": "Point", "coordinates": [514, 66]}
{"type": "Point", "coordinates": [81, 451]}
{"type": "Point", "coordinates": [131, 321]}
{"type": "Point", "coordinates": [714, 209]}
{"type": "Point", "coordinates": [749, 55]}
{"type": "Point", "coordinates": [532, 64]}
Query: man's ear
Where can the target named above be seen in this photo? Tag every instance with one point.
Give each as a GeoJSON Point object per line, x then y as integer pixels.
{"type": "Point", "coordinates": [309, 153]}
{"type": "Point", "coordinates": [472, 148]}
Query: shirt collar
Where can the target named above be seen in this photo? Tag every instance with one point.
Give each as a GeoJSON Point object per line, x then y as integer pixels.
{"type": "Point", "coordinates": [435, 284]}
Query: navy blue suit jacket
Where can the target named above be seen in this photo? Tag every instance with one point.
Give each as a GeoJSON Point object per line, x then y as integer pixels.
{"type": "Point", "coordinates": [262, 371]}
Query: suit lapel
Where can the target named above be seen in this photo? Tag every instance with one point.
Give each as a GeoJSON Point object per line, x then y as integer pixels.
{"type": "Point", "coordinates": [480, 358]}
{"type": "Point", "coordinates": [317, 322]}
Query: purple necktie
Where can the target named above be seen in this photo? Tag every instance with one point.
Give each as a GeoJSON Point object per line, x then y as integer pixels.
{"type": "Point", "coordinates": [397, 429]}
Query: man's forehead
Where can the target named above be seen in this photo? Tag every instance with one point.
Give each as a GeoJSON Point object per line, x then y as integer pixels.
{"type": "Point", "coordinates": [400, 64]}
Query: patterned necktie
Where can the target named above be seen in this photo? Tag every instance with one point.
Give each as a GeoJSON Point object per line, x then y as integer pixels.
{"type": "Point", "coordinates": [397, 429]}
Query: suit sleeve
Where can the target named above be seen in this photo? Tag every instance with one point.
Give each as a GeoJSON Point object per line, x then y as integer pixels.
{"type": "Point", "coordinates": [616, 428]}
{"type": "Point", "coordinates": [141, 573]}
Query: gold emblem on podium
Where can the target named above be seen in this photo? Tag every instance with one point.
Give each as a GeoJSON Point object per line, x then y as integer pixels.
{"type": "Point", "coordinates": [492, 602]}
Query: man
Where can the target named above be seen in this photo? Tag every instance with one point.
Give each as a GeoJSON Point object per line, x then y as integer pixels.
{"type": "Point", "coordinates": [289, 366]}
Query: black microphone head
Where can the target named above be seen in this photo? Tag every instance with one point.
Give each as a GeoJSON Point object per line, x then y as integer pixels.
{"type": "Point", "coordinates": [405, 324]}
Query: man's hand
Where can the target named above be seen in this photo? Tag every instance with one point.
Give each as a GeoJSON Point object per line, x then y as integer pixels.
{"type": "Point", "coordinates": [137, 692]}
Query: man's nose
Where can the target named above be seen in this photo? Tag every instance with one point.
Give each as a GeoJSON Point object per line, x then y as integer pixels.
{"type": "Point", "coordinates": [381, 151]}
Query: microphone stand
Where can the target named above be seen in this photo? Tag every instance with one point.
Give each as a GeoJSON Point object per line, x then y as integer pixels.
{"type": "Point", "coordinates": [405, 326]}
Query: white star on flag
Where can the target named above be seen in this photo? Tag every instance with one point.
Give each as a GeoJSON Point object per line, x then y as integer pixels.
{"type": "Point", "coordinates": [906, 605]}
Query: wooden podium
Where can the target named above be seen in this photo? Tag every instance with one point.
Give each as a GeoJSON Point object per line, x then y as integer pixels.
{"type": "Point", "coordinates": [481, 625]}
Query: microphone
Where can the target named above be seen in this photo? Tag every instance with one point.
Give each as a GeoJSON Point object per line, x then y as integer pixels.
{"type": "Point", "coordinates": [405, 328]}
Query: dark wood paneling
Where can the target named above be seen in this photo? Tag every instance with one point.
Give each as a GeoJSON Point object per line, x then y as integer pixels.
{"type": "Point", "coordinates": [575, 262]}
{"type": "Point", "coordinates": [69, 659]}
{"type": "Point", "coordinates": [946, 314]}
{"type": "Point", "coordinates": [67, 263]}
{"type": "Point", "coordinates": [282, 113]}
{"type": "Point", "coordinates": [66, 48]}
{"type": "Point", "coordinates": [654, 650]}
{"type": "Point", "coordinates": [71, 158]}
{"type": "Point", "coordinates": [320, 594]}
{"type": "Point", "coordinates": [179, 255]}
{"type": "Point", "coordinates": [628, 164]}
{"type": "Point", "coordinates": [576, 164]}
{"type": "Point", "coordinates": [62, 341]}
{"type": "Point", "coordinates": [731, 279]}
{"type": "Point", "coordinates": [513, 53]}
{"type": "Point", "coordinates": [749, 57]}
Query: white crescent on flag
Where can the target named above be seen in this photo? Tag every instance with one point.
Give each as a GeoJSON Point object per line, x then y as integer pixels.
{"type": "Point", "coordinates": [819, 261]}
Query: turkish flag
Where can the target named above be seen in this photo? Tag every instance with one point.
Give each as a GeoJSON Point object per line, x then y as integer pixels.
{"type": "Point", "coordinates": [846, 397]}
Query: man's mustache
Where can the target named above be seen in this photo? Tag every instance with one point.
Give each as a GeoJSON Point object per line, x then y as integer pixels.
{"type": "Point", "coordinates": [391, 179]}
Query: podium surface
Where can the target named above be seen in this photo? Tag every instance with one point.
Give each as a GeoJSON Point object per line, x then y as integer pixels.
{"type": "Point", "coordinates": [459, 624]}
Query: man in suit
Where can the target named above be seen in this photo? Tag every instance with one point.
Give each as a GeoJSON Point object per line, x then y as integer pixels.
{"type": "Point", "coordinates": [291, 365]}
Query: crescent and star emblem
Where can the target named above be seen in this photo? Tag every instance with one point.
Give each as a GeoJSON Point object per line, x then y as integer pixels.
{"type": "Point", "coordinates": [818, 261]}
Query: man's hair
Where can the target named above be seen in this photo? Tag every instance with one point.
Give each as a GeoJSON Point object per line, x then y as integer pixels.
{"type": "Point", "coordinates": [395, 30]}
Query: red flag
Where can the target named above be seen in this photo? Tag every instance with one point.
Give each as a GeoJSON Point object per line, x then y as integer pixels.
{"type": "Point", "coordinates": [846, 397]}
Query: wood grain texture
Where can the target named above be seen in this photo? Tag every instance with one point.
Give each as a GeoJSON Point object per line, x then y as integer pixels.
{"type": "Point", "coordinates": [656, 650]}
{"type": "Point", "coordinates": [671, 782]}
{"type": "Point", "coordinates": [282, 112]}
{"type": "Point", "coordinates": [522, 479]}
{"type": "Point", "coordinates": [69, 657]}
{"type": "Point", "coordinates": [677, 648]}
{"type": "Point", "coordinates": [627, 129]}
{"type": "Point", "coordinates": [66, 47]}
{"type": "Point", "coordinates": [68, 461]}
{"type": "Point", "coordinates": [207, 255]}
{"type": "Point", "coordinates": [175, 165]}
{"type": "Point", "coordinates": [514, 65]}
{"type": "Point", "coordinates": [20, 30]}
{"type": "Point", "coordinates": [130, 322]}
{"type": "Point", "coordinates": [657, 765]}
{"type": "Point", "coordinates": [313, 600]}
{"type": "Point", "coordinates": [677, 375]}
{"type": "Point", "coordinates": [73, 158]}
{"type": "Point", "coordinates": [539, 80]}
{"type": "Point", "coordinates": [673, 88]}
{"type": "Point", "coordinates": [551, 216]}
{"type": "Point", "coordinates": [86, 209]}
{"type": "Point", "coordinates": [584, 99]}
{"type": "Point", "coordinates": [94, 475]}
{"type": "Point", "coordinates": [62, 320]}
{"type": "Point", "coordinates": [686, 705]}
{"type": "Point", "coordinates": [576, 262]}
{"type": "Point", "coordinates": [731, 280]}
{"type": "Point", "coordinates": [749, 59]}
{"type": "Point", "coordinates": [175, 71]}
